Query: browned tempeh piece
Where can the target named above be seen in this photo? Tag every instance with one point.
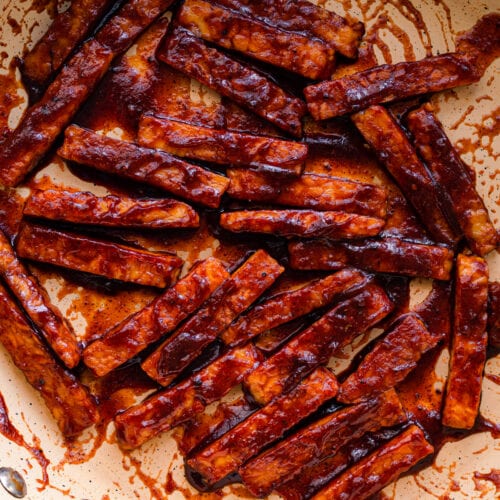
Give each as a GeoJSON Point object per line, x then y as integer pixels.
{"type": "Point", "coordinates": [69, 402]}
{"type": "Point", "coordinates": [307, 56]}
{"type": "Point", "coordinates": [304, 223]}
{"type": "Point", "coordinates": [229, 452]}
{"type": "Point", "coordinates": [309, 191]}
{"type": "Point", "coordinates": [100, 257]}
{"type": "Point", "coordinates": [222, 146]}
{"type": "Point", "coordinates": [170, 407]}
{"type": "Point", "coordinates": [494, 314]}
{"type": "Point", "coordinates": [397, 154]}
{"type": "Point", "coordinates": [390, 360]}
{"type": "Point", "coordinates": [318, 440]}
{"type": "Point", "coordinates": [45, 120]}
{"type": "Point", "coordinates": [68, 29]}
{"type": "Point", "coordinates": [315, 345]}
{"type": "Point", "coordinates": [288, 305]}
{"type": "Point", "coordinates": [159, 317]}
{"type": "Point", "coordinates": [304, 17]}
{"type": "Point", "coordinates": [245, 86]}
{"type": "Point", "coordinates": [454, 179]}
{"type": "Point", "coordinates": [35, 301]}
{"type": "Point", "coordinates": [232, 297]}
{"type": "Point", "coordinates": [145, 165]}
{"type": "Point", "coordinates": [116, 211]}
{"type": "Point", "coordinates": [468, 353]}
{"type": "Point", "coordinates": [384, 255]}
{"type": "Point", "coordinates": [389, 82]}
{"type": "Point", "coordinates": [380, 468]}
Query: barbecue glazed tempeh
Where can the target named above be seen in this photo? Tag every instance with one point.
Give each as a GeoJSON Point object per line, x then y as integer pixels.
{"type": "Point", "coordinates": [222, 146]}
{"type": "Point", "coordinates": [232, 79]}
{"type": "Point", "coordinates": [380, 468]}
{"type": "Point", "coordinates": [115, 211]}
{"type": "Point", "coordinates": [307, 56]}
{"type": "Point", "coordinates": [494, 314]}
{"type": "Point", "coordinates": [36, 303]}
{"type": "Point", "coordinates": [229, 452]}
{"type": "Point", "coordinates": [315, 345]}
{"type": "Point", "coordinates": [158, 318]}
{"type": "Point", "coordinates": [390, 360]}
{"type": "Point", "coordinates": [304, 17]}
{"type": "Point", "coordinates": [94, 256]}
{"type": "Point", "coordinates": [288, 305]}
{"type": "Point", "coordinates": [45, 120]}
{"type": "Point", "coordinates": [232, 297]}
{"type": "Point", "coordinates": [469, 343]}
{"type": "Point", "coordinates": [69, 402]}
{"type": "Point", "coordinates": [170, 407]}
{"type": "Point", "coordinates": [389, 82]}
{"type": "Point", "coordinates": [319, 440]}
{"type": "Point", "coordinates": [454, 179]}
{"type": "Point", "coordinates": [303, 223]}
{"type": "Point", "coordinates": [309, 191]}
{"type": "Point", "coordinates": [384, 255]}
{"type": "Point", "coordinates": [145, 165]}
{"type": "Point", "coordinates": [394, 150]}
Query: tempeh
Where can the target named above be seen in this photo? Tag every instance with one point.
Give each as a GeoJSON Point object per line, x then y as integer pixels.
{"type": "Point", "coordinates": [35, 301]}
{"type": "Point", "coordinates": [156, 168]}
{"type": "Point", "coordinates": [469, 343]}
{"type": "Point", "coordinates": [307, 56]}
{"type": "Point", "coordinates": [111, 210]}
{"type": "Point", "coordinates": [158, 318]}
{"type": "Point", "coordinates": [221, 146]}
{"type": "Point", "coordinates": [245, 86]}
{"type": "Point", "coordinates": [494, 314]}
{"type": "Point", "coordinates": [453, 178]}
{"type": "Point", "coordinates": [384, 255]}
{"type": "Point", "coordinates": [95, 256]}
{"type": "Point", "coordinates": [309, 191]}
{"type": "Point", "coordinates": [232, 297]}
{"type": "Point", "coordinates": [170, 407]}
{"type": "Point", "coordinates": [319, 440]}
{"type": "Point", "coordinates": [229, 452]}
{"type": "Point", "coordinates": [69, 402]}
{"type": "Point", "coordinates": [315, 345]}
{"type": "Point", "coordinates": [380, 468]}
{"type": "Point", "coordinates": [389, 82]}
{"type": "Point", "coordinates": [390, 360]}
{"type": "Point", "coordinates": [289, 305]}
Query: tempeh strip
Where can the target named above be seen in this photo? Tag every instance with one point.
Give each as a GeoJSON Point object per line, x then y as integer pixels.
{"type": "Point", "coordinates": [158, 318]}
{"type": "Point", "coordinates": [494, 314]}
{"type": "Point", "coordinates": [289, 305]}
{"type": "Point", "coordinates": [319, 440]}
{"type": "Point", "coordinates": [36, 303]}
{"type": "Point", "coordinates": [155, 168]}
{"type": "Point", "coordinates": [384, 255]}
{"type": "Point", "coordinates": [222, 146]}
{"type": "Point", "coordinates": [45, 120]}
{"type": "Point", "coordinates": [115, 211]}
{"type": "Point", "coordinates": [304, 223]}
{"type": "Point", "coordinates": [315, 345]}
{"type": "Point", "coordinates": [245, 86]}
{"type": "Point", "coordinates": [380, 468]}
{"type": "Point", "coordinates": [309, 191]}
{"type": "Point", "coordinates": [69, 402]}
{"type": "Point", "coordinates": [469, 343]}
{"type": "Point", "coordinates": [233, 296]}
{"type": "Point", "coordinates": [229, 452]}
{"type": "Point", "coordinates": [454, 179]}
{"type": "Point", "coordinates": [394, 150]}
{"type": "Point", "coordinates": [390, 360]}
{"type": "Point", "coordinates": [389, 82]}
{"type": "Point", "coordinates": [170, 407]}
{"type": "Point", "coordinates": [103, 258]}
{"type": "Point", "coordinates": [307, 56]}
